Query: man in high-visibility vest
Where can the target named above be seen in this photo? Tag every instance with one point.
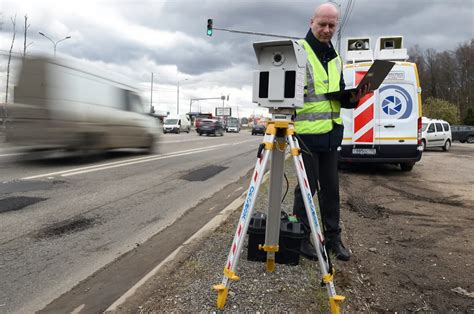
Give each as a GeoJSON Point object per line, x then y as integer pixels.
{"type": "Point", "coordinates": [319, 126]}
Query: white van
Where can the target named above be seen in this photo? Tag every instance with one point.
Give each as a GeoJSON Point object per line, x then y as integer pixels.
{"type": "Point", "coordinates": [61, 105]}
{"type": "Point", "coordinates": [436, 133]}
{"type": "Point", "coordinates": [176, 124]}
{"type": "Point", "coordinates": [233, 125]}
{"type": "Point", "coordinates": [386, 125]}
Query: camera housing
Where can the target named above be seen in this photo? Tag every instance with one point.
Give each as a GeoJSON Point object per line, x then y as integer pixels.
{"type": "Point", "coordinates": [279, 80]}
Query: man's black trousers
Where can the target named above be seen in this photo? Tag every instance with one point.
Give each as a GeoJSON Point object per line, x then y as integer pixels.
{"type": "Point", "coordinates": [322, 167]}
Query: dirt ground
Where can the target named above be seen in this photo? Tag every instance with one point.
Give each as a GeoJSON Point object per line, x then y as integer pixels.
{"type": "Point", "coordinates": [410, 234]}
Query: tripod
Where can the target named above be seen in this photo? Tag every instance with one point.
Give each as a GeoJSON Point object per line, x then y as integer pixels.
{"type": "Point", "coordinates": [279, 133]}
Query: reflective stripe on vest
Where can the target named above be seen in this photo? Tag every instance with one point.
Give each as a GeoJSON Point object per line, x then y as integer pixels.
{"type": "Point", "coordinates": [318, 114]}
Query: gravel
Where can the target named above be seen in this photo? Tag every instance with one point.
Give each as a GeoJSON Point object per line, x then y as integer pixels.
{"type": "Point", "coordinates": [186, 286]}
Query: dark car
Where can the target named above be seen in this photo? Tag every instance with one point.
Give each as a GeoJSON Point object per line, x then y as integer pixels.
{"type": "Point", "coordinates": [211, 126]}
{"type": "Point", "coordinates": [463, 133]}
{"type": "Point", "coordinates": [258, 129]}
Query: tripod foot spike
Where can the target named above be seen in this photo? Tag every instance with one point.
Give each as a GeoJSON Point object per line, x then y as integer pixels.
{"type": "Point", "coordinates": [270, 265]}
{"type": "Point", "coordinates": [335, 303]}
{"type": "Point", "coordinates": [222, 292]}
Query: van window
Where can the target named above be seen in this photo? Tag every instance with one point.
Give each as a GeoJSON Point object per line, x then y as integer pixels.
{"type": "Point", "coordinates": [423, 126]}
{"type": "Point", "coordinates": [446, 127]}
{"type": "Point", "coordinates": [439, 128]}
{"type": "Point", "coordinates": [431, 128]}
{"type": "Point", "coordinates": [133, 102]}
{"type": "Point", "coordinates": [171, 121]}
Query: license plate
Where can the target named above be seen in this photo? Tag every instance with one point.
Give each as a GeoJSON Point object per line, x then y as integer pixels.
{"type": "Point", "coordinates": [363, 151]}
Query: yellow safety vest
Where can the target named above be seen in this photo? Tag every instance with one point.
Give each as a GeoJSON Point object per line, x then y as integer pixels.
{"type": "Point", "coordinates": [318, 113]}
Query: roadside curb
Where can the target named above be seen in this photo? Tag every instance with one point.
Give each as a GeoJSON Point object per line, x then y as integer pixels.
{"type": "Point", "coordinates": [205, 231]}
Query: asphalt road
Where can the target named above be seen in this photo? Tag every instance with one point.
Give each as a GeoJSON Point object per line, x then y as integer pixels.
{"type": "Point", "coordinates": [64, 218]}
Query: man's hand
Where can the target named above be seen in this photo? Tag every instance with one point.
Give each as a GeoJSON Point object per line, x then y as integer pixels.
{"type": "Point", "coordinates": [361, 93]}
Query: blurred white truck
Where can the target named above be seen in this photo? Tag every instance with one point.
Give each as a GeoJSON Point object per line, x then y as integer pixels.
{"type": "Point", "coordinates": [59, 105]}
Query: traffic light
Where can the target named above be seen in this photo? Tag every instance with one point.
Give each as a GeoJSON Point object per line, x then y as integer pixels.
{"type": "Point", "coordinates": [209, 27]}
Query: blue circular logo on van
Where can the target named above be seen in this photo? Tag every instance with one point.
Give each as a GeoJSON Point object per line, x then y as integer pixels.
{"type": "Point", "coordinates": [398, 103]}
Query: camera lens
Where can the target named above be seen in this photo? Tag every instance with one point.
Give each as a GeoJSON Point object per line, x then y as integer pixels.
{"type": "Point", "coordinates": [277, 58]}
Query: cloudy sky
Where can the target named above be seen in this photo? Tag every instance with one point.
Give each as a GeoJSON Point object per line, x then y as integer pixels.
{"type": "Point", "coordinates": [168, 38]}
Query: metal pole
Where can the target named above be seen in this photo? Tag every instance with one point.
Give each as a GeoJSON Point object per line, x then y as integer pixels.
{"type": "Point", "coordinates": [177, 101]}
{"type": "Point", "coordinates": [254, 33]}
{"type": "Point", "coordinates": [151, 96]}
{"type": "Point", "coordinates": [54, 43]}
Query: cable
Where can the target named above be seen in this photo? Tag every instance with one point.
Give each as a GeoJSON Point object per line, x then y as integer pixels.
{"type": "Point", "coordinates": [287, 187]}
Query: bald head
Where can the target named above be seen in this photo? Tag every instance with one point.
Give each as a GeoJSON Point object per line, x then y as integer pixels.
{"type": "Point", "coordinates": [326, 9]}
{"type": "Point", "coordinates": [324, 22]}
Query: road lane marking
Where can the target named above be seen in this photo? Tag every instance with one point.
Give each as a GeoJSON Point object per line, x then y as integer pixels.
{"type": "Point", "coordinates": [188, 140]}
{"type": "Point", "coordinates": [78, 309]}
{"type": "Point", "coordinates": [12, 154]}
{"type": "Point", "coordinates": [135, 162]}
{"type": "Point", "coordinates": [147, 158]}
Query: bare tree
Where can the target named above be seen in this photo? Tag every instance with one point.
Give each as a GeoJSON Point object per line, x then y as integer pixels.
{"type": "Point", "coordinates": [25, 28]}
{"type": "Point", "coordinates": [5, 115]}
{"type": "Point", "coordinates": [447, 75]}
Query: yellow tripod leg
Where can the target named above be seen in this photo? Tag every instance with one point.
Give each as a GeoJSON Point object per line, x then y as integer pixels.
{"type": "Point", "coordinates": [335, 303]}
{"type": "Point", "coordinates": [222, 292]}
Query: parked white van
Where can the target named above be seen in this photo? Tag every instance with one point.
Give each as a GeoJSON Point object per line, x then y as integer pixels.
{"type": "Point", "coordinates": [386, 125]}
{"type": "Point", "coordinates": [63, 105]}
{"type": "Point", "coordinates": [176, 124]}
{"type": "Point", "coordinates": [436, 133]}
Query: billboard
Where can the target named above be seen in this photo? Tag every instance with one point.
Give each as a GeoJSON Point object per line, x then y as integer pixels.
{"type": "Point", "coordinates": [224, 111]}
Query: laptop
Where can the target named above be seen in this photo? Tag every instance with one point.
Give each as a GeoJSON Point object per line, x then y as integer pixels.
{"type": "Point", "coordinates": [374, 76]}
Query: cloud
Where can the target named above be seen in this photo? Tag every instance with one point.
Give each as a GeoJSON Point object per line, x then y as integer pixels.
{"type": "Point", "coordinates": [169, 38]}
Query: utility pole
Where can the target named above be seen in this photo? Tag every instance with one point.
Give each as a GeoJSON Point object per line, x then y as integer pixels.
{"type": "Point", "coordinates": [151, 96]}
{"type": "Point", "coordinates": [177, 96]}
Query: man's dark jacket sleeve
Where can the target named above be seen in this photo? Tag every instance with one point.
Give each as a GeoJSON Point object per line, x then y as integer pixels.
{"type": "Point", "coordinates": [345, 98]}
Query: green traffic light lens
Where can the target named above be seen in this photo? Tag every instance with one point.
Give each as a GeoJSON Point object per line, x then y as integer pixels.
{"type": "Point", "coordinates": [209, 32]}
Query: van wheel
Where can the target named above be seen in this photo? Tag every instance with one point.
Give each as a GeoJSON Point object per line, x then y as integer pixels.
{"type": "Point", "coordinates": [423, 144]}
{"type": "Point", "coordinates": [92, 146]}
{"type": "Point", "coordinates": [447, 145]}
{"type": "Point", "coordinates": [407, 166]}
{"type": "Point", "coordinates": [150, 148]}
{"type": "Point", "coordinates": [470, 139]}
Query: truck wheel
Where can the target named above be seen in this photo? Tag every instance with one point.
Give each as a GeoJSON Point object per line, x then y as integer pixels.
{"type": "Point", "coordinates": [447, 145]}
{"type": "Point", "coordinates": [150, 148]}
{"type": "Point", "coordinates": [407, 166]}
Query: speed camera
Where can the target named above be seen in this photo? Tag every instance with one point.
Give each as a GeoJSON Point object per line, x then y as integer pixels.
{"type": "Point", "coordinates": [279, 80]}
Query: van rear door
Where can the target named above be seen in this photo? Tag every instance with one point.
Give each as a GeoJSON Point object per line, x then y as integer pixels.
{"type": "Point", "coordinates": [360, 127]}
{"type": "Point", "coordinates": [398, 107]}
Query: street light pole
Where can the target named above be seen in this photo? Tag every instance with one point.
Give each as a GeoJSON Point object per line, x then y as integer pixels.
{"type": "Point", "coordinates": [54, 43]}
{"type": "Point", "coordinates": [177, 97]}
